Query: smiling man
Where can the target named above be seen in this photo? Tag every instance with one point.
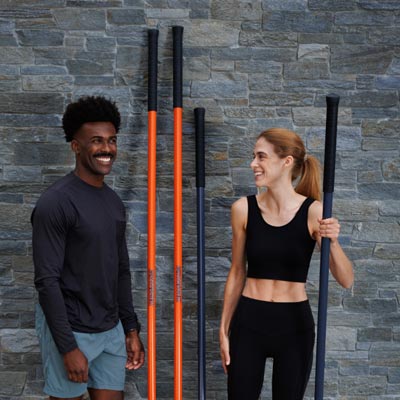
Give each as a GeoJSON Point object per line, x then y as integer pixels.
{"type": "Point", "coordinates": [85, 320]}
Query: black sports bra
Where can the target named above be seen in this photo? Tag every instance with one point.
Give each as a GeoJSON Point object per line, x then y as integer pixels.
{"type": "Point", "coordinates": [281, 253]}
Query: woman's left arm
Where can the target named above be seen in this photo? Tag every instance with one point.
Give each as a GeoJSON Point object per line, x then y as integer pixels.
{"type": "Point", "coordinates": [339, 264]}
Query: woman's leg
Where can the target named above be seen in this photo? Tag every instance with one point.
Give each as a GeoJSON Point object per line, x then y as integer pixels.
{"type": "Point", "coordinates": [292, 365]}
{"type": "Point", "coordinates": [246, 370]}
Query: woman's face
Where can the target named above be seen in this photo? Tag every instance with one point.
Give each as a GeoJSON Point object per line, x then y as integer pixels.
{"type": "Point", "coordinates": [268, 168]}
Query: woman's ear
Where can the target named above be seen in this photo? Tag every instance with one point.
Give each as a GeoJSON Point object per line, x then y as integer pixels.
{"type": "Point", "coordinates": [289, 160]}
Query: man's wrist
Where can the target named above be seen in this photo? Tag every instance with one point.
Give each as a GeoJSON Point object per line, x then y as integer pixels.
{"type": "Point", "coordinates": [133, 330]}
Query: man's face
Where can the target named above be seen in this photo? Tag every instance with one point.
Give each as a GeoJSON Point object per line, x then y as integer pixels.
{"type": "Point", "coordinates": [95, 147]}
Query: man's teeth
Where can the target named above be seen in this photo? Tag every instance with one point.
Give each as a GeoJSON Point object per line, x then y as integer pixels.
{"type": "Point", "coordinates": [104, 159]}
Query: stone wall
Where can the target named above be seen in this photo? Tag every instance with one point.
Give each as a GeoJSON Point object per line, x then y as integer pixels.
{"type": "Point", "coordinates": [252, 65]}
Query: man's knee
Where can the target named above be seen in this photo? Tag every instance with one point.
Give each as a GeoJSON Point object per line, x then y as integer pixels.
{"type": "Point", "coordinates": [105, 394]}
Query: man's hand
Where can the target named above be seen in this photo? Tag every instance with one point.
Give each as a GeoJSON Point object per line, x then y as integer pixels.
{"type": "Point", "coordinates": [76, 366]}
{"type": "Point", "coordinates": [135, 350]}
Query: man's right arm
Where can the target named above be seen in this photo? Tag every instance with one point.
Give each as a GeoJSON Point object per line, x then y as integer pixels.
{"type": "Point", "coordinates": [49, 231]}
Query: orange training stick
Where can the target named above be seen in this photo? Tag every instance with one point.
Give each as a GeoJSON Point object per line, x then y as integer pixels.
{"type": "Point", "coordinates": [151, 214]}
{"type": "Point", "coordinates": [177, 100]}
{"type": "Point", "coordinates": [151, 258]}
{"type": "Point", "coordinates": [178, 252]}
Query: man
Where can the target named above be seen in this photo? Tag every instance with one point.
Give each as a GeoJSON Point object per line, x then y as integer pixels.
{"type": "Point", "coordinates": [87, 327]}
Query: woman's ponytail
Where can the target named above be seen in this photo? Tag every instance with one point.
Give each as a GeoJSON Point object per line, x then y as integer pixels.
{"type": "Point", "coordinates": [306, 168]}
{"type": "Point", "coordinates": [309, 184]}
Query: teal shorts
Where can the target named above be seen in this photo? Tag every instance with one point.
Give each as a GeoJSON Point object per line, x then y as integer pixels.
{"type": "Point", "coordinates": [106, 354]}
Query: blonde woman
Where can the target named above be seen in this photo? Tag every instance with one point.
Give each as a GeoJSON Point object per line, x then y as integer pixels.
{"type": "Point", "coordinates": [266, 313]}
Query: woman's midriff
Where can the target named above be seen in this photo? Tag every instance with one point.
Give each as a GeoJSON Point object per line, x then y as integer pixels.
{"type": "Point", "coordinates": [274, 290]}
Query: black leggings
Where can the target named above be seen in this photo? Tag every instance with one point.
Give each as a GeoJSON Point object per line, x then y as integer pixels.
{"type": "Point", "coordinates": [261, 330]}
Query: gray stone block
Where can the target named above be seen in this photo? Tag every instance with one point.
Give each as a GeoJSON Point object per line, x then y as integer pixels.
{"type": "Point", "coordinates": [236, 10]}
{"type": "Point", "coordinates": [19, 341]}
{"type": "Point", "coordinates": [14, 55]}
{"type": "Point", "coordinates": [381, 129]}
{"type": "Point", "coordinates": [360, 59]}
{"type": "Point", "coordinates": [306, 70]}
{"type": "Point", "coordinates": [22, 103]}
{"type": "Point", "coordinates": [364, 385]}
{"type": "Point", "coordinates": [339, 5]}
{"type": "Point", "coordinates": [42, 154]}
{"type": "Point", "coordinates": [385, 36]}
{"type": "Point", "coordinates": [80, 19]}
{"type": "Point", "coordinates": [379, 5]}
{"type": "Point", "coordinates": [301, 22]}
{"type": "Point", "coordinates": [284, 5]}
{"type": "Point", "coordinates": [267, 39]}
{"type": "Point", "coordinates": [12, 383]}
{"type": "Point", "coordinates": [381, 191]}
{"type": "Point", "coordinates": [391, 170]}
{"type": "Point", "coordinates": [126, 16]}
{"type": "Point", "coordinates": [231, 87]}
{"type": "Point", "coordinates": [279, 99]}
{"type": "Point", "coordinates": [364, 18]}
{"type": "Point", "coordinates": [212, 33]}
{"type": "Point", "coordinates": [87, 67]}
{"type": "Point", "coordinates": [47, 83]}
{"type": "Point", "coordinates": [38, 37]}
{"type": "Point", "coordinates": [386, 354]}
{"type": "Point", "coordinates": [374, 335]}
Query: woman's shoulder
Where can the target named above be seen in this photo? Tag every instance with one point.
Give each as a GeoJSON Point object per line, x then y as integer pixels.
{"type": "Point", "coordinates": [315, 208]}
{"type": "Point", "coordinates": [239, 211]}
{"type": "Point", "coordinates": [240, 205]}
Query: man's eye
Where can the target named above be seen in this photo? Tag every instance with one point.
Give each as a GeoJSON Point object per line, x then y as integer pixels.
{"type": "Point", "coordinates": [113, 141]}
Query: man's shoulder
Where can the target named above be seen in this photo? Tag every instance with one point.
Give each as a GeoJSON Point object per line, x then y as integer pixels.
{"type": "Point", "coordinates": [58, 189]}
{"type": "Point", "coordinates": [112, 193]}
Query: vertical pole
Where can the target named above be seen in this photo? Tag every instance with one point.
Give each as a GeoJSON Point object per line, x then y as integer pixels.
{"type": "Point", "coordinates": [151, 212]}
{"type": "Point", "coordinates": [177, 32]}
{"type": "Point", "coordinates": [332, 102]}
{"type": "Point", "coordinates": [201, 315]}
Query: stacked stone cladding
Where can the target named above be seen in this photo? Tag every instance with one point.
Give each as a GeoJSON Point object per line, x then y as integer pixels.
{"type": "Point", "coordinates": [252, 65]}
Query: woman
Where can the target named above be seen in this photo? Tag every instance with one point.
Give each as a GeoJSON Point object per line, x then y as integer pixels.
{"type": "Point", "coordinates": [266, 314]}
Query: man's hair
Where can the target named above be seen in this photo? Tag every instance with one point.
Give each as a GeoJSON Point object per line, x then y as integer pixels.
{"type": "Point", "coordinates": [89, 109]}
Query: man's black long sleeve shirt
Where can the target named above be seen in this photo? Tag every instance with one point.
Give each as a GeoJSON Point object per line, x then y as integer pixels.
{"type": "Point", "coordinates": [81, 260]}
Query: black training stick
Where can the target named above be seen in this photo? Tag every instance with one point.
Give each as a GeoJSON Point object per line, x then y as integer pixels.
{"type": "Point", "coordinates": [201, 281]}
{"type": "Point", "coordinates": [332, 103]}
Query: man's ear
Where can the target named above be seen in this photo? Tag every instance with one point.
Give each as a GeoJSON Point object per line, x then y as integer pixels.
{"type": "Point", "coordinates": [75, 146]}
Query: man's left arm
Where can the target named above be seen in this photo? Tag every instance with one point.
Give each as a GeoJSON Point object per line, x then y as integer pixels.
{"type": "Point", "coordinates": [128, 317]}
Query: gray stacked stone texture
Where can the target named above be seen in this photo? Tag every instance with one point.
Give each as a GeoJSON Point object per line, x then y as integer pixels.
{"type": "Point", "coordinates": [252, 65]}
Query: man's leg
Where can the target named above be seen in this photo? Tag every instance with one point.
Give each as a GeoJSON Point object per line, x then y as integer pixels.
{"type": "Point", "coordinates": [107, 370]}
{"type": "Point", "coordinates": [105, 394]}
{"type": "Point", "coordinates": [57, 385]}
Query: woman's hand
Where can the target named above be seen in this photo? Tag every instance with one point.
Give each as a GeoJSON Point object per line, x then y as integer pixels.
{"type": "Point", "coordinates": [224, 348]}
{"type": "Point", "coordinates": [329, 228]}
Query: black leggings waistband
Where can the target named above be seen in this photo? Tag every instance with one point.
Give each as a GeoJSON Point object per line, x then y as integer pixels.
{"type": "Point", "coordinates": [273, 318]}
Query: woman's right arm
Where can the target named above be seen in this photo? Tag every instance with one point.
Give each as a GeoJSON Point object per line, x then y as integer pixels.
{"type": "Point", "coordinates": [236, 277]}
